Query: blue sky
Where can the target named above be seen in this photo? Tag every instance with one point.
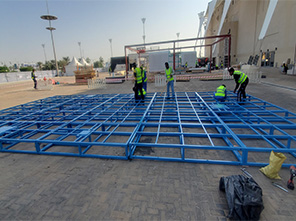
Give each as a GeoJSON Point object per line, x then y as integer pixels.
{"type": "Point", "coordinates": [92, 23]}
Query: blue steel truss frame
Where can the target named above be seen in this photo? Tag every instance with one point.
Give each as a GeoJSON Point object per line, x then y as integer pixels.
{"type": "Point", "coordinates": [192, 127]}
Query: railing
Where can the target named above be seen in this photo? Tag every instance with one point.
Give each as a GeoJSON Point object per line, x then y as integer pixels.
{"type": "Point", "coordinates": [96, 83]}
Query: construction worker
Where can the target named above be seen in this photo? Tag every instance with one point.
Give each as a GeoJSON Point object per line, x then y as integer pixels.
{"type": "Point", "coordinates": [144, 77]}
{"type": "Point", "coordinates": [33, 76]}
{"type": "Point", "coordinates": [186, 64]}
{"type": "Point", "coordinates": [241, 80]}
{"type": "Point", "coordinates": [221, 93]}
{"type": "Point", "coordinates": [169, 72]}
{"type": "Point", "coordinates": [138, 82]}
{"type": "Point", "coordinates": [221, 65]}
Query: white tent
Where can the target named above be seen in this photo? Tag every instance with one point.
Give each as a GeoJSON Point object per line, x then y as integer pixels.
{"type": "Point", "coordinates": [84, 63]}
{"type": "Point", "coordinates": [71, 67]}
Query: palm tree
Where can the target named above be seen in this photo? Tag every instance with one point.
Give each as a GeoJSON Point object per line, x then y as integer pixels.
{"type": "Point", "coordinates": [40, 65]}
{"type": "Point", "coordinates": [66, 59]}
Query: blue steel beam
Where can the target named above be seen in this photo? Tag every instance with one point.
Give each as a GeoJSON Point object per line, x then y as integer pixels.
{"type": "Point", "coordinates": [116, 121]}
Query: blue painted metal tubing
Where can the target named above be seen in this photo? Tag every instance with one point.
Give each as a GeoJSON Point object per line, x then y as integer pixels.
{"type": "Point", "coordinates": [86, 121]}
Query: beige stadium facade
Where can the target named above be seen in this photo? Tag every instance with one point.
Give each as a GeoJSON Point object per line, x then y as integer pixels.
{"type": "Point", "coordinates": [244, 21]}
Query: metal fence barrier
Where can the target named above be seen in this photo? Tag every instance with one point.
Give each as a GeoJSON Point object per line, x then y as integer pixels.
{"type": "Point", "coordinates": [96, 83]}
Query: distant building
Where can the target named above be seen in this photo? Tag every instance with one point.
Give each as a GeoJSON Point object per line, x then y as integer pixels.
{"type": "Point", "coordinates": [262, 29]}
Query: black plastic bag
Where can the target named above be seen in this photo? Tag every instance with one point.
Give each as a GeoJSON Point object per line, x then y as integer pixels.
{"type": "Point", "coordinates": [244, 197]}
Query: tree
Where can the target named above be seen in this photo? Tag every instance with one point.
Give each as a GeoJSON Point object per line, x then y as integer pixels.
{"type": "Point", "coordinates": [49, 65]}
{"type": "Point", "coordinates": [4, 69]}
{"type": "Point", "coordinates": [99, 64]}
{"type": "Point", "coordinates": [88, 60]}
{"type": "Point", "coordinates": [66, 59]}
{"type": "Point", "coordinates": [40, 65]}
{"type": "Point", "coordinates": [64, 62]}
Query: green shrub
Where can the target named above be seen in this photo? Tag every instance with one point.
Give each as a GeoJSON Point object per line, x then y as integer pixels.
{"type": "Point", "coordinates": [26, 69]}
{"type": "Point", "coordinates": [4, 69]}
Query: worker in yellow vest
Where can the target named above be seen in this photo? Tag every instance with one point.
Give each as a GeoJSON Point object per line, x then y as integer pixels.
{"type": "Point", "coordinates": [221, 93]}
{"type": "Point", "coordinates": [138, 82]}
{"type": "Point", "coordinates": [169, 72]}
{"type": "Point", "coordinates": [33, 76]}
{"type": "Point", "coordinates": [241, 80]}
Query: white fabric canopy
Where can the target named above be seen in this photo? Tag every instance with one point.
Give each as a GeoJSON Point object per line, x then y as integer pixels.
{"type": "Point", "coordinates": [84, 63]}
{"type": "Point", "coordinates": [71, 67]}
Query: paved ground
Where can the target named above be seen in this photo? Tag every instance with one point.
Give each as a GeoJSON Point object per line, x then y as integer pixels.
{"type": "Point", "coordinates": [59, 188]}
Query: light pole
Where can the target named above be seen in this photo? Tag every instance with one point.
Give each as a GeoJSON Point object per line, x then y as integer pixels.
{"type": "Point", "coordinates": [144, 36]}
{"type": "Point", "coordinates": [178, 34]}
{"type": "Point", "coordinates": [111, 47]}
{"type": "Point", "coordinates": [43, 45]}
{"type": "Point", "coordinates": [79, 43]}
{"type": "Point", "coordinates": [51, 18]}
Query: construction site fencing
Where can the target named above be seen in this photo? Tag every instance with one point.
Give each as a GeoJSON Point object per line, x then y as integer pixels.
{"type": "Point", "coordinates": [22, 76]}
{"type": "Point", "coordinates": [191, 127]}
{"type": "Point", "coordinates": [96, 83]}
{"type": "Point", "coordinates": [160, 80]}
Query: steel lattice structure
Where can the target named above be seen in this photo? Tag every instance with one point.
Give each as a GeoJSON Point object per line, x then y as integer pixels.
{"type": "Point", "coordinates": [192, 127]}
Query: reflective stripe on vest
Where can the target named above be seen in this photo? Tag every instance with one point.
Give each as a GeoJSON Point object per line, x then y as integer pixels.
{"type": "Point", "coordinates": [242, 78]}
{"type": "Point", "coordinates": [220, 91]}
{"type": "Point", "coordinates": [168, 74]}
{"type": "Point", "coordinates": [143, 90]}
{"type": "Point", "coordinates": [138, 75]}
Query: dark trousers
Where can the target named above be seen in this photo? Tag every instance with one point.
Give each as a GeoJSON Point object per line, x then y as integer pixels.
{"type": "Point", "coordinates": [35, 83]}
{"type": "Point", "coordinates": [139, 87]}
{"type": "Point", "coordinates": [242, 90]}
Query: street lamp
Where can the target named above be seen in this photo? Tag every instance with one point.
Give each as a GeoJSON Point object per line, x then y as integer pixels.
{"type": "Point", "coordinates": [178, 34]}
{"type": "Point", "coordinates": [79, 43]}
{"type": "Point", "coordinates": [111, 47]}
{"type": "Point", "coordinates": [50, 18]}
{"type": "Point", "coordinates": [144, 36]}
{"type": "Point", "coordinates": [43, 45]}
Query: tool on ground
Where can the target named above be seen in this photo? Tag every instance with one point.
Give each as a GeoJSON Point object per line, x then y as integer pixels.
{"type": "Point", "coordinates": [290, 183]}
{"type": "Point", "coordinates": [246, 172]}
{"type": "Point", "coordinates": [279, 186]}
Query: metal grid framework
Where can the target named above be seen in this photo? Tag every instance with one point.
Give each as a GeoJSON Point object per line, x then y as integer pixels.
{"type": "Point", "coordinates": [216, 39]}
{"type": "Point", "coordinates": [192, 127]}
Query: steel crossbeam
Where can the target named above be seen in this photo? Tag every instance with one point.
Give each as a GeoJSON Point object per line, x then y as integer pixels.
{"type": "Point", "coordinates": [191, 127]}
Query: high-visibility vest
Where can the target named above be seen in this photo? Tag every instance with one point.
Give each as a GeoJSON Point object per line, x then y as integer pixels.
{"type": "Point", "coordinates": [220, 92]}
{"type": "Point", "coordinates": [33, 76]}
{"type": "Point", "coordinates": [168, 73]}
{"type": "Point", "coordinates": [144, 92]}
{"type": "Point", "coordinates": [242, 77]}
{"type": "Point", "coordinates": [144, 76]}
{"type": "Point", "coordinates": [138, 75]}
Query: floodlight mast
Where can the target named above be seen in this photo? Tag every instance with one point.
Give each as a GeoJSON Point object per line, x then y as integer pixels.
{"type": "Point", "coordinates": [50, 18]}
